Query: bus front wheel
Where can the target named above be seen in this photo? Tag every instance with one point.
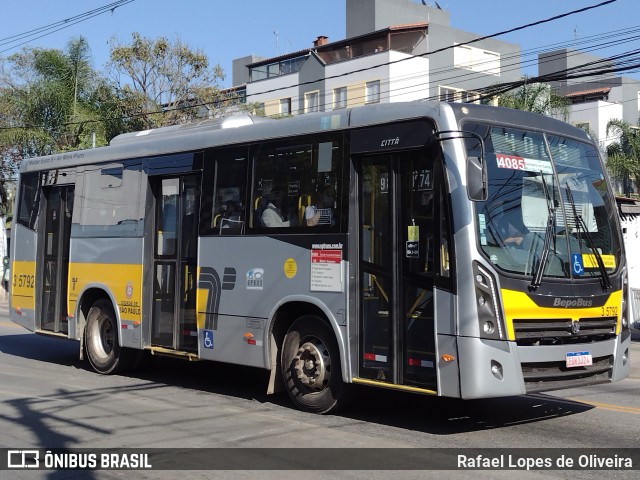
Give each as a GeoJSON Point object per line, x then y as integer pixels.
{"type": "Point", "coordinates": [311, 366]}
{"type": "Point", "coordinates": [101, 340]}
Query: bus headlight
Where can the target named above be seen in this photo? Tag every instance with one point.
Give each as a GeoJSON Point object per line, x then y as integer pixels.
{"type": "Point", "coordinates": [488, 328]}
{"type": "Point", "coordinates": [488, 304]}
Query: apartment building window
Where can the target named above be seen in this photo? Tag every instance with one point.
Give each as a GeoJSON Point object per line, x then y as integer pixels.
{"type": "Point", "coordinates": [275, 69]}
{"type": "Point", "coordinates": [285, 106]}
{"type": "Point", "coordinates": [372, 92]}
{"type": "Point", "coordinates": [339, 98]}
{"type": "Point", "coordinates": [311, 102]}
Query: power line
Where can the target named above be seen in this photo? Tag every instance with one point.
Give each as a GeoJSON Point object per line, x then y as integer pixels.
{"type": "Point", "coordinates": [46, 30]}
{"type": "Point", "coordinates": [393, 62]}
{"type": "Point", "coordinates": [459, 77]}
{"type": "Point", "coordinates": [499, 88]}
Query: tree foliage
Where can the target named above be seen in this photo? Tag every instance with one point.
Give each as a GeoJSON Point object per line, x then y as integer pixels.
{"type": "Point", "coordinates": [53, 101]}
{"type": "Point", "coordinates": [623, 155]}
{"type": "Point", "coordinates": [46, 96]}
{"type": "Point", "coordinates": [164, 83]}
{"type": "Point", "coordinates": [538, 98]}
{"type": "Point", "coordinates": [45, 104]}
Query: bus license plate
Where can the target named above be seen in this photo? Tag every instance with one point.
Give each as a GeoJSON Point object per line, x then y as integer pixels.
{"type": "Point", "coordinates": [578, 359]}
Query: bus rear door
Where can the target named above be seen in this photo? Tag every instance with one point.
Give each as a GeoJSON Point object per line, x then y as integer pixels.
{"type": "Point", "coordinates": [55, 237]}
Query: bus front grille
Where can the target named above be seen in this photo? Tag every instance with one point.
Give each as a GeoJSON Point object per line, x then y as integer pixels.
{"type": "Point", "coordinates": [563, 331]}
{"type": "Point", "coordinates": [554, 375]}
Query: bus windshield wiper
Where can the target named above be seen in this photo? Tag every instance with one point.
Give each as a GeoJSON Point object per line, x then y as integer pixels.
{"type": "Point", "coordinates": [580, 225]}
{"type": "Point", "coordinates": [548, 235]}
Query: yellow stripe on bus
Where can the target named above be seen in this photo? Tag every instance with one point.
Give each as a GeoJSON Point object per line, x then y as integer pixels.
{"type": "Point", "coordinates": [123, 281]}
{"type": "Point", "coordinates": [393, 386]}
{"type": "Point", "coordinates": [518, 305]}
{"type": "Point", "coordinates": [22, 284]}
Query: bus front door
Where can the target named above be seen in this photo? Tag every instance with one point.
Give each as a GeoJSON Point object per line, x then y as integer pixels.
{"type": "Point", "coordinates": [56, 234]}
{"type": "Point", "coordinates": [175, 262]}
{"type": "Point", "coordinates": [397, 235]}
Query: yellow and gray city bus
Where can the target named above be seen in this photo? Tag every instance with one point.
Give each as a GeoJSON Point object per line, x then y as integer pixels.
{"type": "Point", "coordinates": [449, 249]}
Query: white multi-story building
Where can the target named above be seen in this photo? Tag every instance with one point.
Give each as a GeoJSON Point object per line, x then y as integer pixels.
{"type": "Point", "coordinates": [396, 50]}
{"type": "Point", "coordinates": [599, 99]}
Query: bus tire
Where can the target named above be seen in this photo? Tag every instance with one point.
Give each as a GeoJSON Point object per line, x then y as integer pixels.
{"type": "Point", "coordinates": [101, 340]}
{"type": "Point", "coordinates": [310, 365]}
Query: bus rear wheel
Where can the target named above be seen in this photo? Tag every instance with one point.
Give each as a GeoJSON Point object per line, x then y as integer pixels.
{"type": "Point", "coordinates": [310, 365]}
{"type": "Point", "coordinates": [101, 340]}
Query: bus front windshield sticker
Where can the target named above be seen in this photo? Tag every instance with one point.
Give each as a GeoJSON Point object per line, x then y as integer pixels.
{"type": "Point", "coordinates": [515, 162]}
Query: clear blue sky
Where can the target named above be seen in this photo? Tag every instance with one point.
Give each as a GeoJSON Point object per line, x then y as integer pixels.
{"type": "Point", "coordinates": [225, 29]}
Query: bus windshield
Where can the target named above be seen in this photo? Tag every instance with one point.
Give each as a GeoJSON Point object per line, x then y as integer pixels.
{"type": "Point", "coordinates": [548, 211]}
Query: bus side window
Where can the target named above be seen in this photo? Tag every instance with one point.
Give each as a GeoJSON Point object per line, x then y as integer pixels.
{"type": "Point", "coordinates": [297, 184]}
{"type": "Point", "coordinates": [224, 193]}
{"type": "Point", "coordinates": [29, 200]}
{"type": "Point", "coordinates": [110, 202]}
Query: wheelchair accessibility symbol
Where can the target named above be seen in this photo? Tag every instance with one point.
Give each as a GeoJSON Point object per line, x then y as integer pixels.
{"type": "Point", "coordinates": [576, 264]}
{"type": "Point", "coordinates": [207, 340]}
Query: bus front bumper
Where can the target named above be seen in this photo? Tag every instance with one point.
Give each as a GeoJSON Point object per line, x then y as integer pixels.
{"type": "Point", "coordinates": [491, 368]}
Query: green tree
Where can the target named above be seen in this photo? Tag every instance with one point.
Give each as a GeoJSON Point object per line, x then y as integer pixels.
{"type": "Point", "coordinates": [538, 98]}
{"type": "Point", "coordinates": [48, 104]}
{"type": "Point", "coordinates": [165, 83]}
{"type": "Point", "coordinates": [623, 155]}
{"type": "Point", "coordinates": [46, 98]}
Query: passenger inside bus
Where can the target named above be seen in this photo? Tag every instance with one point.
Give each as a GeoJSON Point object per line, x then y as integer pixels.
{"type": "Point", "coordinates": [319, 212]}
{"type": "Point", "coordinates": [272, 216]}
{"type": "Point", "coordinates": [512, 228]}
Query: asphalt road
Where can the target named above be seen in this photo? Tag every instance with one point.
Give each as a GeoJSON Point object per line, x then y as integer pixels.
{"type": "Point", "coordinates": [51, 399]}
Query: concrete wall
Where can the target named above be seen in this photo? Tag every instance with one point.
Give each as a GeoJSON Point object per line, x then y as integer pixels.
{"type": "Point", "coordinates": [286, 86]}
{"type": "Point", "coordinates": [443, 72]}
{"type": "Point", "coordinates": [240, 72]}
{"type": "Point", "coordinates": [409, 78]}
{"type": "Point", "coordinates": [312, 70]}
{"type": "Point", "coordinates": [563, 59]}
{"type": "Point", "coordinates": [366, 16]}
{"type": "Point", "coordinates": [356, 81]}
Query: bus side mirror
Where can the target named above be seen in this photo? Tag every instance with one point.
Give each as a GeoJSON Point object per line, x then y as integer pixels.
{"type": "Point", "coordinates": [476, 179]}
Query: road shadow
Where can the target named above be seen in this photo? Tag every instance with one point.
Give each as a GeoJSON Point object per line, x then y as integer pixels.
{"type": "Point", "coordinates": [41, 348]}
{"type": "Point", "coordinates": [213, 377]}
{"type": "Point", "coordinates": [450, 416]}
{"type": "Point", "coordinates": [427, 414]}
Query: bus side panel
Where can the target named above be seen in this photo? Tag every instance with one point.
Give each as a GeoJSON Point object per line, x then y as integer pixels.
{"type": "Point", "coordinates": [448, 371]}
{"type": "Point", "coordinates": [23, 271]}
{"type": "Point", "coordinates": [113, 265]}
{"type": "Point", "coordinates": [246, 279]}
